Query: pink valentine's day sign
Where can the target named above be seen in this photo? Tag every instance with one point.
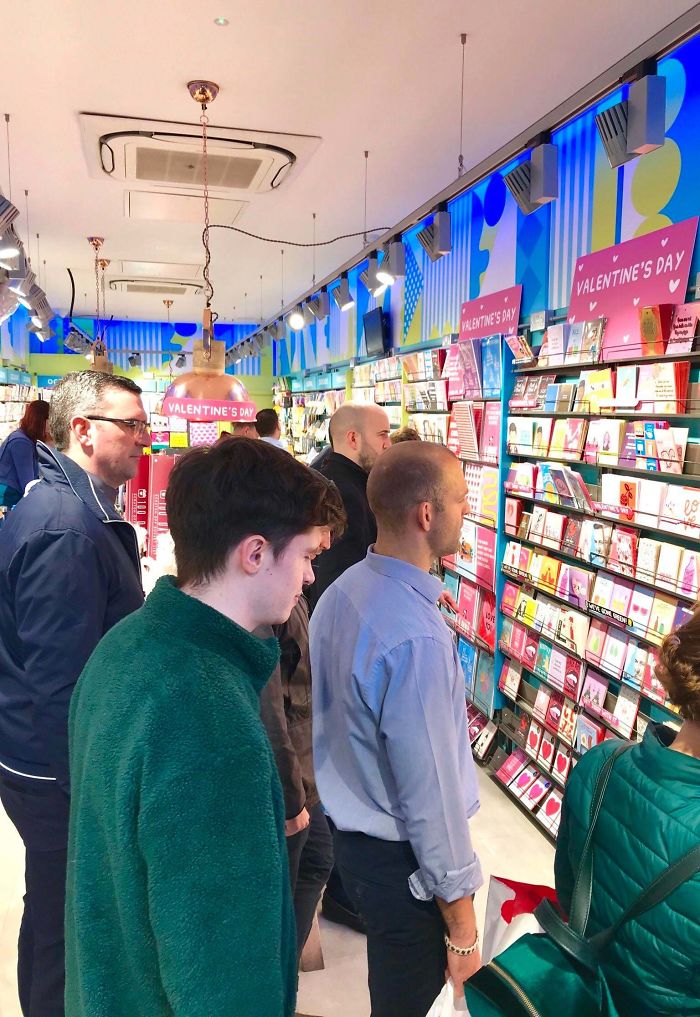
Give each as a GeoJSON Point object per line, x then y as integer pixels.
{"type": "Point", "coordinates": [616, 282]}
{"type": "Point", "coordinates": [496, 312]}
{"type": "Point", "coordinates": [208, 409]}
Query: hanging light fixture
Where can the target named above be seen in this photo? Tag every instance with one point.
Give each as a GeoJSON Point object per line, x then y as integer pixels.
{"type": "Point", "coordinates": [207, 382]}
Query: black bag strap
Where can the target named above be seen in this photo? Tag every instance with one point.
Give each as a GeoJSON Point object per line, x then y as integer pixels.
{"type": "Point", "coordinates": [583, 887]}
{"type": "Point", "coordinates": [663, 886]}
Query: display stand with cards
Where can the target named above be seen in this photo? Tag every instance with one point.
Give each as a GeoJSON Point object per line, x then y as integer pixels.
{"type": "Point", "coordinates": [602, 554]}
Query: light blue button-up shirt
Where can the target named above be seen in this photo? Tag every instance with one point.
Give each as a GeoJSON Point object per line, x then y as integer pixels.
{"type": "Point", "coordinates": [391, 747]}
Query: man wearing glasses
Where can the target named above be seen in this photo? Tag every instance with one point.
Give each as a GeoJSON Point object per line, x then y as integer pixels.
{"type": "Point", "coordinates": [69, 571]}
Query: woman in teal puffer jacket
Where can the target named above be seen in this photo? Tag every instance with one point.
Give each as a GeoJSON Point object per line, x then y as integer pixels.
{"type": "Point", "coordinates": [650, 817]}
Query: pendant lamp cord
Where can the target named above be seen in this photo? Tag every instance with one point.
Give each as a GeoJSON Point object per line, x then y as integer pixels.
{"type": "Point", "coordinates": [208, 288]}
{"type": "Point", "coordinates": [9, 163]}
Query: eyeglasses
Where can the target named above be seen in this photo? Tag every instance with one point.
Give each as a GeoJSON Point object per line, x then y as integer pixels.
{"type": "Point", "coordinates": [141, 428]}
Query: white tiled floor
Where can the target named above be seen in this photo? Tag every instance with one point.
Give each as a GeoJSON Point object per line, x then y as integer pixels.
{"type": "Point", "coordinates": [507, 843]}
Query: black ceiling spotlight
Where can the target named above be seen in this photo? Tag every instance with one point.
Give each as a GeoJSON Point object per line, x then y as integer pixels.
{"type": "Point", "coordinates": [636, 125]}
{"type": "Point", "coordinates": [535, 182]}
{"type": "Point", "coordinates": [342, 295]}
{"type": "Point", "coordinates": [436, 239]}
{"type": "Point", "coordinates": [134, 360]}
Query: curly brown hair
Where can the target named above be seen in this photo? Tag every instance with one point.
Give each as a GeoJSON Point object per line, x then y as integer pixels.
{"type": "Point", "coordinates": [678, 668]}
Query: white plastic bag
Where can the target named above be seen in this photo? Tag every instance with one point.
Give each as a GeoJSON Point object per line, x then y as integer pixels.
{"type": "Point", "coordinates": [449, 1003]}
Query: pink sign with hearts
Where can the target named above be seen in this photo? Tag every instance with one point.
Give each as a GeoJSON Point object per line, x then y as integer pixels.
{"type": "Point", "coordinates": [615, 283]}
{"type": "Point", "coordinates": [496, 312]}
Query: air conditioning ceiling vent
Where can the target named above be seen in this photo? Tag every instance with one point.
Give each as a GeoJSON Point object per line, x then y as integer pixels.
{"type": "Point", "coordinates": [162, 155]}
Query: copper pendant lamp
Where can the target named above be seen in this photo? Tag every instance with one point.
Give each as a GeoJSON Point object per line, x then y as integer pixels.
{"type": "Point", "coordinates": [208, 379]}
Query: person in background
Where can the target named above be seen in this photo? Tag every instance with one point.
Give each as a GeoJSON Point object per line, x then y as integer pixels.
{"type": "Point", "coordinates": [391, 748]}
{"type": "Point", "coordinates": [285, 708]}
{"type": "Point", "coordinates": [69, 571]}
{"type": "Point", "coordinates": [19, 463]}
{"type": "Point", "coordinates": [359, 435]}
{"type": "Point", "coordinates": [178, 899]}
{"type": "Point", "coordinates": [244, 429]}
{"type": "Point", "coordinates": [650, 818]}
{"type": "Point", "coordinates": [267, 424]}
{"type": "Point", "coordinates": [405, 434]}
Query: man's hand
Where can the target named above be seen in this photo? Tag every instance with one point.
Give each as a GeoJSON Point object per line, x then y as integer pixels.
{"type": "Point", "coordinates": [296, 825]}
{"type": "Point", "coordinates": [460, 969]}
{"type": "Point", "coordinates": [447, 600]}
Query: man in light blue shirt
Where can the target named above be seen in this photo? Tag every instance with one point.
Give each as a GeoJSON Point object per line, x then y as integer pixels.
{"type": "Point", "coordinates": [391, 747]}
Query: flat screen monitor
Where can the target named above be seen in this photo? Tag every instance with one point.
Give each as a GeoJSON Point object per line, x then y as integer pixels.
{"type": "Point", "coordinates": [377, 338]}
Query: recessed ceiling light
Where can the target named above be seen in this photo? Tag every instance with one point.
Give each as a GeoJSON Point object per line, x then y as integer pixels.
{"type": "Point", "coordinates": [221, 22]}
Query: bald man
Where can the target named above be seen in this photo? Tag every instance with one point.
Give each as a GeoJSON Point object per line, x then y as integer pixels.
{"type": "Point", "coordinates": [359, 434]}
{"type": "Point", "coordinates": [391, 747]}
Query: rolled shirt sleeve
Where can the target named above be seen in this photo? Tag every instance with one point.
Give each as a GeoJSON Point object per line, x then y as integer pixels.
{"type": "Point", "coordinates": [423, 724]}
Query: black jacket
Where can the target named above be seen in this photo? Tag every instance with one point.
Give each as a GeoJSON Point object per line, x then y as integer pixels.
{"type": "Point", "coordinates": [351, 481]}
{"type": "Point", "coordinates": [69, 571]}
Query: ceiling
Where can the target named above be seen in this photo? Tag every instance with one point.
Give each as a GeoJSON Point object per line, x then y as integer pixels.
{"type": "Point", "coordinates": [364, 75]}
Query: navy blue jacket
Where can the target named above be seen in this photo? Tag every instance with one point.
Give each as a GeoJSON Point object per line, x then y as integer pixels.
{"type": "Point", "coordinates": [69, 570]}
{"type": "Point", "coordinates": [18, 461]}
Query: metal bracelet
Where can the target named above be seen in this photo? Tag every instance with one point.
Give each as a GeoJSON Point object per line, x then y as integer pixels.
{"type": "Point", "coordinates": [462, 951]}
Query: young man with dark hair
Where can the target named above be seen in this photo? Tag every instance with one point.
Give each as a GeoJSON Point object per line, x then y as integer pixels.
{"type": "Point", "coordinates": [69, 571]}
{"type": "Point", "coordinates": [391, 746]}
{"type": "Point", "coordinates": [178, 899]}
{"type": "Point", "coordinates": [267, 424]}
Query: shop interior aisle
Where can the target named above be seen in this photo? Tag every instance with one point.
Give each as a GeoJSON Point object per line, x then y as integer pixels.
{"type": "Point", "coordinates": [507, 842]}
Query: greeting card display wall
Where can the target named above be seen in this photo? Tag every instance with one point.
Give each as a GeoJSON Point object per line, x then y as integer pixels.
{"type": "Point", "coordinates": [15, 392]}
{"type": "Point", "coordinates": [601, 518]}
{"type": "Point", "coordinates": [475, 374]}
{"type": "Point", "coordinates": [314, 399]}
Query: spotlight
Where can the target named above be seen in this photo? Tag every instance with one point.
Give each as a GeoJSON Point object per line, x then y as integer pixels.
{"type": "Point", "coordinates": [638, 124]}
{"type": "Point", "coordinates": [180, 362]}
{"type": "Point", "coordinates": [535, 182]}
{"type": "Point", "coordinates": [278, 330]}
{"type": "Point", "coordinates": [369, 278]}
{"type": "Point", "coordinates": [393, 264]}
{"type": "Point", "coordinates": [436, 239]}
{"type": "Point", "coordinates": [76, 341]}
{"type": "Point", "coordinates": [8, 213]}
{"type": "Point", "coordinates": [8, 301]}
{"type": "Point", "coordinates": [9, 247]}
{"type": "Point", "coordinates": [342, 295]}
{"type": "Point", "coordinates": [296, 319]}
{"type": "Point", "coordinates": [134, 360]}
{"type": "Point", "coordinates": [320, 306]}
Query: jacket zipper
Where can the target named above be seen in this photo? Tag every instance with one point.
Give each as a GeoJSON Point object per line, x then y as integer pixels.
{"type": "Point", "coordinates": [510, 981]}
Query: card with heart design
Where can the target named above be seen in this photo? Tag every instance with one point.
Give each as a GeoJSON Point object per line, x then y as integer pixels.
{"type": "Point", "coordinates": [534, 737]}
{"type": "Point", "coordinates": [536, 792]}
{"type": "Point", "coordinates": [524, 780]}
{"type": "Point", "coordinates": [562, 763]}
{"type": "Point", "coordinates": [546, 754]}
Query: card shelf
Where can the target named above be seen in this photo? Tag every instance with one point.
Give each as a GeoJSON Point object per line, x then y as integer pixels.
{"type": "Point", "coordinates": [574, 369]}
{"type": "Point", "coordinates": [504, 787]}
{"type": "Point", "coordinates": [606, 517]}
{"type": "Point", "coordinates": [585, 563]}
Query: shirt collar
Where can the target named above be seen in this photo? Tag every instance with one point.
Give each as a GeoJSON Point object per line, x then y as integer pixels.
{"type": "Point", "coordinates": [424, 583]}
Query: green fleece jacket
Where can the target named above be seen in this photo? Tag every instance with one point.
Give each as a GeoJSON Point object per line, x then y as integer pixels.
{"type": "Point", "coordinates": [178, 899]}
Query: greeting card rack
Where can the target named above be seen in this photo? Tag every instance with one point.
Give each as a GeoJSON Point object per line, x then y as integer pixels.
{"type": "Point", "coordinates": [601, 556]}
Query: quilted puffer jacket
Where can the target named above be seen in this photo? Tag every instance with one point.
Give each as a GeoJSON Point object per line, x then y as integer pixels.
{"type": "Point", "coordinates": [650, 817]}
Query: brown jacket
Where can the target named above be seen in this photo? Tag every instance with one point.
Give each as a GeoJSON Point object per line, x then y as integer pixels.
{"type": "Point", "coordinates": [285, 710]}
